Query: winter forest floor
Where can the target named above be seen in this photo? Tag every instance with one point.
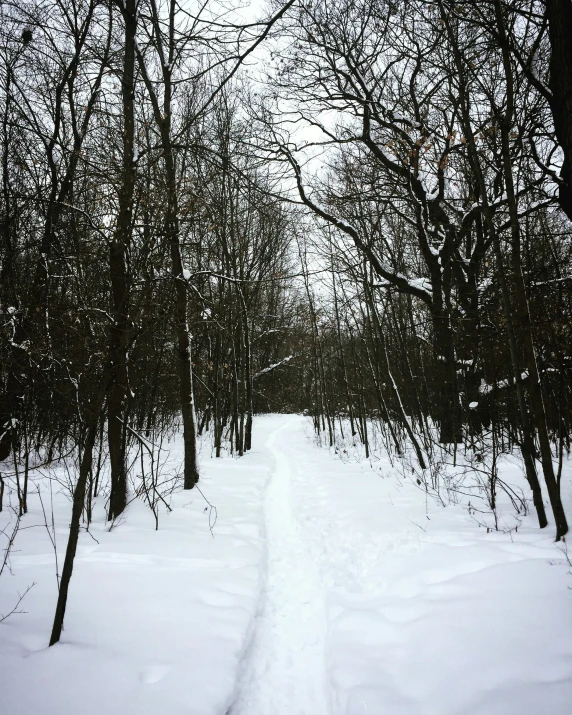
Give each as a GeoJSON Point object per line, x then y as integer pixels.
{"type": "Point", "coordinates": [327, 587]}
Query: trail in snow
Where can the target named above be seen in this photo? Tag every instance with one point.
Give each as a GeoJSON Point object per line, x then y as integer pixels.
{"type": "Point", "coordinates": [380, 601]}
{"type": "Point", "coordinates": [284, 670]}
{"type": "Point", "coordinates": [371, 599]}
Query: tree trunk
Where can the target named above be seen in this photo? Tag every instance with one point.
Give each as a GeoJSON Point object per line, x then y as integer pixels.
{"type": "Point", "coordinates": [445, 388]}
{"type": "Point", "coordinates": [118, 395]}
{"type": "Point", "coordinates": [559, 14]}
{"type": "Point", "coordinates": [77, 509]}
{"type": "Point", "coordinates": [524, 322]}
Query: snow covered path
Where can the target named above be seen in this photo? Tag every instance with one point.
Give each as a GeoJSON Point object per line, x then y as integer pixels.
{"type": "Point", "coordinates": [378, 602]}
{"type": "Point", "coordinates": [284, 670]}
{"type": "Point", "coordinates": [328, 587]}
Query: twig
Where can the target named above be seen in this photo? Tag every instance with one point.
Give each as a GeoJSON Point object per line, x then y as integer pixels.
{"type": "Point", "coordinates": [51, 534]}
{"type": "Point", "coordinates": [15, 611]}
{"type": "Point", "coordinates": [11, 539]}
{"type": "Point", "coordinates": [211, 509]}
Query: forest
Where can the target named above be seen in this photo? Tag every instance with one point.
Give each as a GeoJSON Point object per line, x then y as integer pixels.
{"type": "Point", "coordinates": [358, 211]}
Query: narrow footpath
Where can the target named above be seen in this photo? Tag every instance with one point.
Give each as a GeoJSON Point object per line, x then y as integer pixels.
{"type": "Point", "coordinates": [284, 668]}
{"type": "Point", "coordinates": [380, 601]}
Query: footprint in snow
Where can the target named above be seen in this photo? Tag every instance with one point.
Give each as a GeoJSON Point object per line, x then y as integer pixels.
{"type": "Point", "coordinates": [154, 673]}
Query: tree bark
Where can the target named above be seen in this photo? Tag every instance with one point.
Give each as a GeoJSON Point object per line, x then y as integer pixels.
{"type": "Point", "coordinates": [524, 321]}
{"type": "Point", "coordinates": [559, 14]}
{"type": "Point", "coordinates": [119, 393]}
{"type": "Point", "coordinates": [77, 508]}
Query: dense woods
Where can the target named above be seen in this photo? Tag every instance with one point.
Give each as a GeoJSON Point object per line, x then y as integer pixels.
{"type": "Point", "coordinates": [370, 224]}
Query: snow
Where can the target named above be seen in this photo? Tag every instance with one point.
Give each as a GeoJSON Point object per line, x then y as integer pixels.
{"type": "Point", "coordinates": [329, 587]}
{"type": "Point", "coordinates": [535, 283]}
{"type": "Point", "coordinates": [273, 366]}
{"type": "Point", "coordinates": [292, 622]}
{"type": "Point", "coordinates": [399, 117]}
{"type": "Point", "coordinates": [157, 621]}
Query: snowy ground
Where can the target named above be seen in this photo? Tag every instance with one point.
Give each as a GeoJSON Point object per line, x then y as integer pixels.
{"type": "Point", "coordinates": [329, 588]}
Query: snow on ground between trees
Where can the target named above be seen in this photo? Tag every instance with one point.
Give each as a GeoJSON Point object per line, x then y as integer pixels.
{"type": "Point", "coordinates": [364, 598]}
